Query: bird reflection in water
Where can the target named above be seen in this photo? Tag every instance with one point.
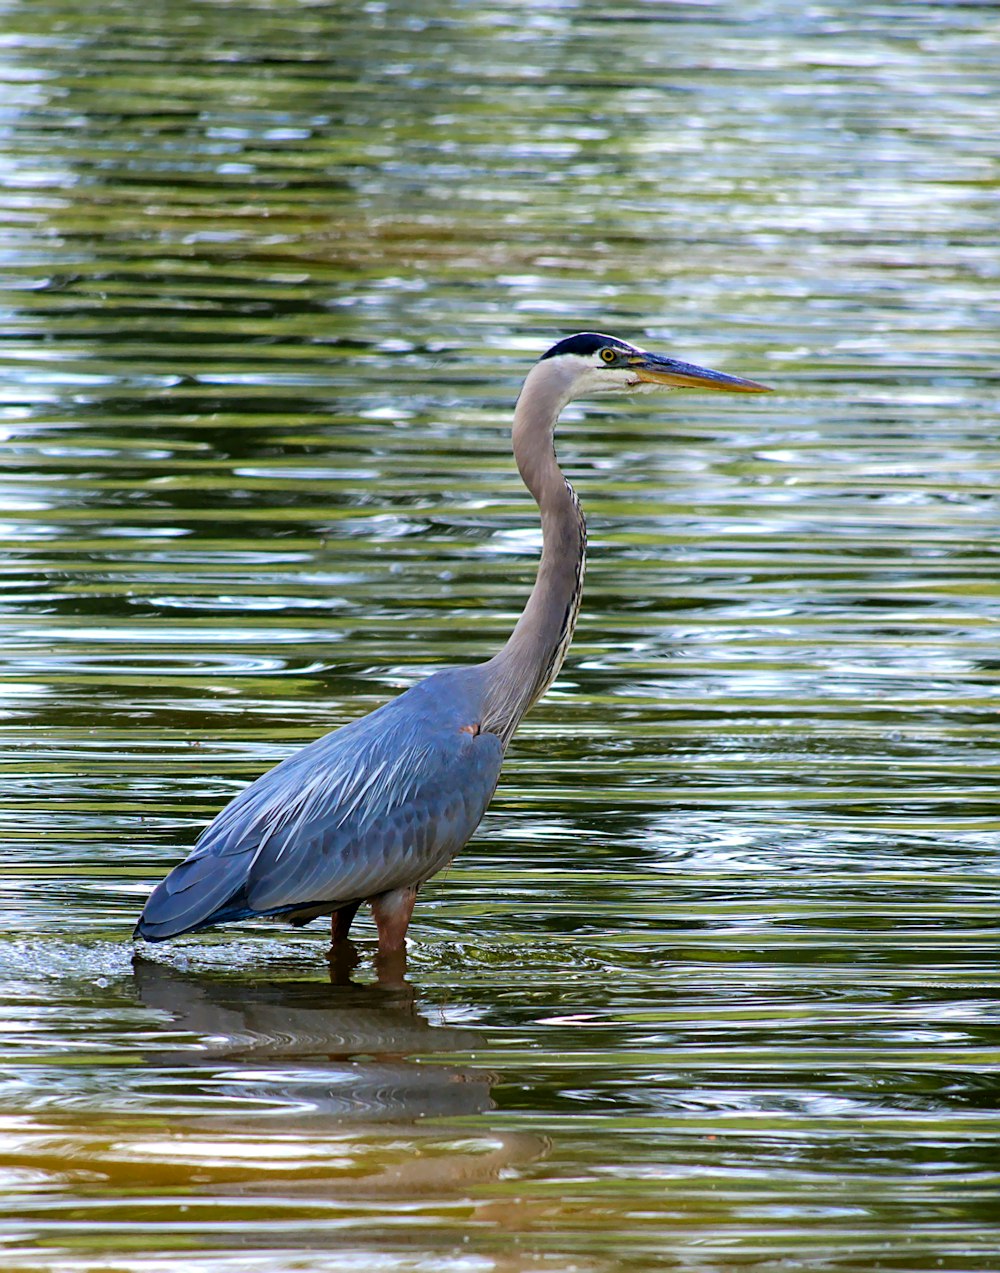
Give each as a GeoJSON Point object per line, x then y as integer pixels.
{"type": "Point", "coordinates": [330, 1060]}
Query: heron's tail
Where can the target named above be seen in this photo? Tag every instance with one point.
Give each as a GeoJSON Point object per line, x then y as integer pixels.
{"type": "Point", "coordinates": [205, 889]}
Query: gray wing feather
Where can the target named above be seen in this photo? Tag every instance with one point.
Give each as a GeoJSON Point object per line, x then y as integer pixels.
{"type": "Point", "coordinates": [382, 803]}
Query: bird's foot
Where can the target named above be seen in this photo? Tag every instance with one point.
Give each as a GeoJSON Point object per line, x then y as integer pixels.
{"type": "Point", "coordinates": [390, 968]}
{"type": "Point", "coordinates": [343, 957]}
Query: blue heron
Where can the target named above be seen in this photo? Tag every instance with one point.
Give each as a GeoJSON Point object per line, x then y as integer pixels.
{"type": "Point", "coordinates": [369, 812]}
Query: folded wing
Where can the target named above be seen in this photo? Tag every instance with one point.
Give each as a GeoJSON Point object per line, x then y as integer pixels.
{"type": "Point", "coordinates": [382, 803]}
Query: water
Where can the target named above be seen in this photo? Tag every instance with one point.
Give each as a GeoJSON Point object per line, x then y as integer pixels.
{"type": "Point", "coordinates": [715, 987]}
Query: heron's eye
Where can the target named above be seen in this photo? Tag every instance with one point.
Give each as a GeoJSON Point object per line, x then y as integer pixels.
{"type": "Point", "coordinates": [609, 355]}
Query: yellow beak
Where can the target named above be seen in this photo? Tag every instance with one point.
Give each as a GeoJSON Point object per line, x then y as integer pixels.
{"type": "Point", "coordinates": [653, 369]}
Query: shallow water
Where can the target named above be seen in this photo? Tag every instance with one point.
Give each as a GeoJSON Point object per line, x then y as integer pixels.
{"type": "Point", "coordinates": [715, 986]}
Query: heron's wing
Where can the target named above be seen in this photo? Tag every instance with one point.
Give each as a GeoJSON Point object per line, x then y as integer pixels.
{"type": "Point", "coordinates": [382, 803]}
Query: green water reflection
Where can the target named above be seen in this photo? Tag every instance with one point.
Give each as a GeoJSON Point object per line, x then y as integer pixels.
{"type": "Point", "coordinates": [715, 987]}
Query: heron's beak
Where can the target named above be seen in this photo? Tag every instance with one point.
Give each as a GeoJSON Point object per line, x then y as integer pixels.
{"type": "Point", "coordinates": [652, 369]}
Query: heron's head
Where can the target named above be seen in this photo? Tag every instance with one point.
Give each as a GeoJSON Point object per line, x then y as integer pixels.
{"type": "Point", "coordinates": [590, 363]}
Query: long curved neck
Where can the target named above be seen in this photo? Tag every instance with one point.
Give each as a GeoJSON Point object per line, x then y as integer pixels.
{"type": "Point", "coordinates": [530, 661]}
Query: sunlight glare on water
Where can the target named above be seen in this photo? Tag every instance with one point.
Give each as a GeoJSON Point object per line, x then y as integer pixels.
{"type": "Point", "coordinates": [715, 986]}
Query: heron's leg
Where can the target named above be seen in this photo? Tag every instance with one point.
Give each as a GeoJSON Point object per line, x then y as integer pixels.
{"type": "Point", "coordinates": [392, 913]}
{"type": "Point", "coordinates": [340, 923]}
{"type": "Point", "coordinates": [342, 959]}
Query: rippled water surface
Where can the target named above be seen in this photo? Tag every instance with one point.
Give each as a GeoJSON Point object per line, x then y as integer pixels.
{"type": "Point", "coordinates": [715, 986]}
